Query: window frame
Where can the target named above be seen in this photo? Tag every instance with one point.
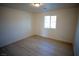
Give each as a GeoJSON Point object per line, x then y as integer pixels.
{"type": "Point", "coordinates": [50, 27]}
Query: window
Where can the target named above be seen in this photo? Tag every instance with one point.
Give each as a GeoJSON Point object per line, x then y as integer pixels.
{"type": "Point", "coordinates": [50, 22]}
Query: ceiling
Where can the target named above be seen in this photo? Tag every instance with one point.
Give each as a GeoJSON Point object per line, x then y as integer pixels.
{"type": "Point", "coordinates": [43, 8]}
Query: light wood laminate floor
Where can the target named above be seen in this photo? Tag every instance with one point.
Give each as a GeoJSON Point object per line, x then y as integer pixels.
{"type": "Point", "coordinates": [38, 46]}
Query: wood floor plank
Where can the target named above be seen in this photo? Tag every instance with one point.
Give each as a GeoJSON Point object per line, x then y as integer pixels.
{"type": "Point", "coordinates": [39, 46]}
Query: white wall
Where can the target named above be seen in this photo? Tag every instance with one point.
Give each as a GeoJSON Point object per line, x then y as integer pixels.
{"type": "Point", "coordinates": [14, 25]}
{"type": "Point", "coordinates": [66, 22]}
{"type": "Point", "coordinates": [76, 41]}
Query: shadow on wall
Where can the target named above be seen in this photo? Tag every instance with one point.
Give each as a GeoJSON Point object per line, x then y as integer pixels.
{"type": "Point", "coordinates": [15, 25]}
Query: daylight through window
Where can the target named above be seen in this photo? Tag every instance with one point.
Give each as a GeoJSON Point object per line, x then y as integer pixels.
{"type": "Point", "coordinates": [50, 22]}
